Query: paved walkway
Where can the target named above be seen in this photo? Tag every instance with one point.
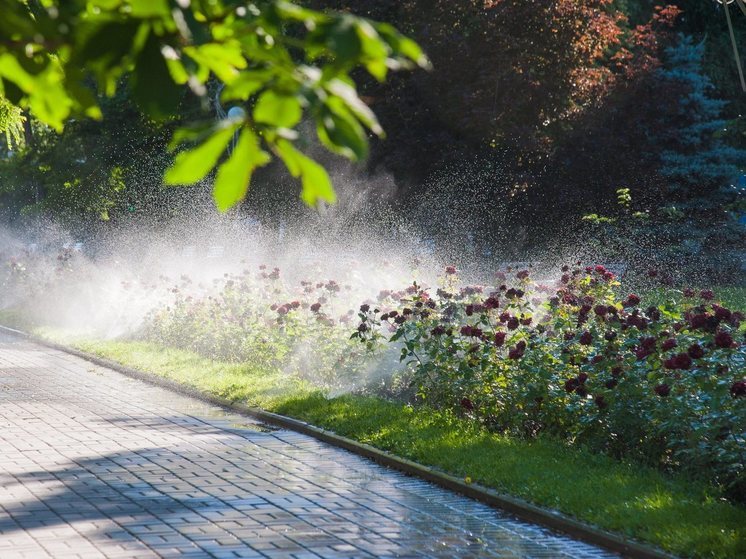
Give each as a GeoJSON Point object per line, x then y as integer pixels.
{"type": "Point", "coordinates": [94, 464]}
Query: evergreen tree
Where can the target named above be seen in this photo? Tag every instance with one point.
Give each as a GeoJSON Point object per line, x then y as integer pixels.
{"type": "Point", "coordinates": [696, 157]}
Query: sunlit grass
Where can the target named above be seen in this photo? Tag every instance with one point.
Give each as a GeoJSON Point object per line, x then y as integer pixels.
{"type": "Point", "coordinates": [683, 516]}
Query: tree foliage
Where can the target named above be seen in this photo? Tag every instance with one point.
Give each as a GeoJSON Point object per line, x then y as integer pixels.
{"type": "Point", "coordinates": [283, 62]}
{"type": "Point", "coordinates": [696, 155]}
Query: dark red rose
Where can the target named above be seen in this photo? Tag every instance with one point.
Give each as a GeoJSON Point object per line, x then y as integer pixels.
{"type": "Point", "coordinates": [610, 336]}
{"type": "Point", "coordinates": [597, 359]}
{"type": "Point", "coordinates": [491, 303]}
{"type": "Point", "coordinates": [683, 361]}
{"type": "Point", "coordinates": [571, 384]}
{"type": "Point", "coordinates": [738, 389]}
{"type": "Point", "coordinates": [695, 351]}
{"type": "Point", "coordinates": [467, 404]}
{"type": "Point", "coordinates": [518, 351]}
{"type": "Point", "coordinates": [707, 294]}
{"type": "Point", "coordinates": [283, 310]}
{"type": "Point", "coordinates": [523, 274]}
{"type": "Point", "coordinates": [393, 314]}
{"type": "Point", "coordinates": [504, 317]}
{"type": "Point", "coordinates": [632, 300]}
{"type": "Point", "coordinates": [600, 401]}
{"type": "Point", "coordinates": [617, 371]}
{"type": "Point", "coordinates": [364, 307]}
{"type": "Point", "coordinates": [721, 313]}
{"type": "Point", "coordinates": [601, 310]}
{"type": "Point", "coordinates": [363, 327]}
{"type": "Point", "coordinates": [581, 391]}
{"type": "Point", "coordinates": [586, 338]}
{"type": "Point", "coordinates": [698, 321]}
{"type": "Point", "coordinates": [513, 323]}
{"type": "Point", "coordinates": [723, 339]}
{"type": "Point", "coordinates": [569, 336]}
{"type": "Point", "coordinates": [648, 342]}
{"type": "Point", "coordinates": [600, 270]}
{"type": "Point", "coordinates": [582, 377]}
{"type": "Point", "coordinates": [438, 331]}
{"type": "Point", "coordinates": [450, 270]}
{"type": "Point", "coordinates": [406, 311]}
{"type": "Point", "coordinates": [662, 390]}
{"type": "Point", "coordinates": [500, 338]}
{"type": "Point", "coordinates": [653, 313]}
{"type": "Point", "coordinates": [472, 331]}
{"type": "Point", "coordinates": [642, 352]}
{"type": "Point", "coordinates": [679, 361]}
{"type": "Point", "coordinates": [526, 321]}
{"type": "Point", "coordinates": [295, 304]}
{"type": "Point", "coordinates": [469, 310]}
{"type": "Point", "coordinates": [611, 383]}
{"type": "Point", "coordinates": [688, 292]}
{"type": "Point", "coordinates": [637, 321]}
{"type": "Point", "coordinates": [400, 319]}
{"type": "Point", "coordinates": [669, 343]}
{"type": "Point", "coordinates": [514, 293]}
{"type": "Point", "coordinates": [316, 306]}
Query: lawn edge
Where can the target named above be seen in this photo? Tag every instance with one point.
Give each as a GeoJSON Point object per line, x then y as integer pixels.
{"type": "Point", "coordinates": [518, 507]}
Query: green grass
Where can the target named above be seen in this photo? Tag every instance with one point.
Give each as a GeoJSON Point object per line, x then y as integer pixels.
{"type": "Point", "coordinates": [675, 513]}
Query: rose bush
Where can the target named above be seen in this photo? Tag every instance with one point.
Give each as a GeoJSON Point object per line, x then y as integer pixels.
{"type": "Point", "coordinates": [662, 384]}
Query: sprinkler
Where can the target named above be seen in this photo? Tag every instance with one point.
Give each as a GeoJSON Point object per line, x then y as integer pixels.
{"type": "Point", "coordinates": [742, 6]}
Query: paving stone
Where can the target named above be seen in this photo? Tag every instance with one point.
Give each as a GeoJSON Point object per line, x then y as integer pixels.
{"type": "Point", "coordinates": [95, 464]}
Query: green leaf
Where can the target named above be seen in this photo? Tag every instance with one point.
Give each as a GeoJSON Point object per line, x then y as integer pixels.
{"type": "Point", "coordinates": [11, 70]}
{"type": "Point", "coordinates": [153, 88]}
{"type": "Point", "coordinates": [192, 165]}
{"type": "Point", "coordinates": [403, 45]}
{"type": "Point", "coordinates": [223, 59]}
{"type": "Point", "coordinates": [246, 84]}
{"type": "Point", "coordinates": [347, 93]}
{"type": "Point", "coordinates": [148, 8]}
{"type": "Point", "coordinates": [282, 111]}
{"type": "Point", "coordinates": [344, 40]}
{"type": "Point", "coordinates": [372, 44]}
{"type": "Point", "coordinates": [316, 185]}
{"type": "Point", "coordinates": [234, 175]}
{"type": "Point", "coordinates": [342, 134]}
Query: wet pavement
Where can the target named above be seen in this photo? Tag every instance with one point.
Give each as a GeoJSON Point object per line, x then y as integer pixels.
{"type": "Point", "coordinates": [95, 464]}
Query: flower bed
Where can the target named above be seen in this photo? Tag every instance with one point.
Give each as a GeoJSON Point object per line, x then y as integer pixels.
{"type": "Point", "coordinates": [661, 384]}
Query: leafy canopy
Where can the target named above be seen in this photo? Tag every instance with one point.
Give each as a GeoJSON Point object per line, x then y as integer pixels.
{"type": "Point", "coordinates": [281, 61]}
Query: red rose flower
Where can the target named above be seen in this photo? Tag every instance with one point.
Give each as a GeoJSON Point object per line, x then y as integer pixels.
{"type": "Point", "coordinates": [662, 390]}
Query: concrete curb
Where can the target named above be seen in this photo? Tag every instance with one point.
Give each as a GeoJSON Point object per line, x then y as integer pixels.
{"type": "Point", "coordinates": [517, 507]}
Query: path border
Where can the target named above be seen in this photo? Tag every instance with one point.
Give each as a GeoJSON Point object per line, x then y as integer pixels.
{"type": "Point", "coordinates": [517, 507]}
